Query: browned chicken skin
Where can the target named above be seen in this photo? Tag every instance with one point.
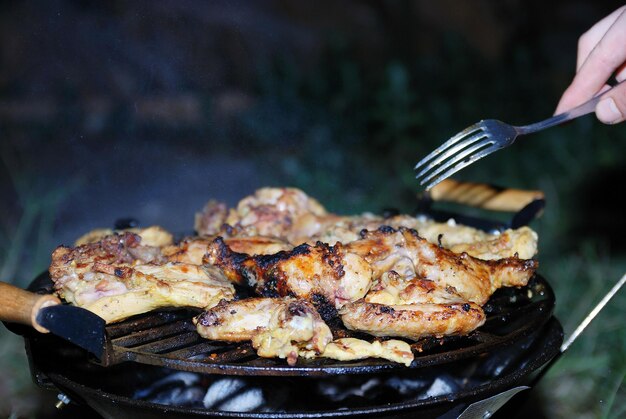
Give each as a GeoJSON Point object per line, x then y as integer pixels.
{"type": "Point", "coordinates": [290, 215]}
{"type": "Point", "coordinates": [412, 321]}
{"type": "Point", "coordinates": [286, 213]}
{"type": "Point", "coordinates": [192, 249]}
{"type": "Point", "coordinates": [406, 253]}
{"type": "Point", "coordinates": [120, 249]}
{"type": "Point", "coordinates": [117, 277]}
{"type": "Point", "coordinates": [277, 327]}
{"type": "Point", "coordinates": [422, 289]}
{"type": "Point", "coordinates": [323, 274]}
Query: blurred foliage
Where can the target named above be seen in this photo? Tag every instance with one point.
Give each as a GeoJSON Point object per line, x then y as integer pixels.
{"type": "Point", "coordinates": [24, 253]}
{"type": "Point", "coordinates": [359, 134]}
{"type": "Point", "coordinates": [26, 230]}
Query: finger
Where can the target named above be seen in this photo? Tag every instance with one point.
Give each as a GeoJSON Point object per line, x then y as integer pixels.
{"type": "Point", "coordinates": [608, 55]}
{"type": "Point", "coordinates": [589, 39]}
{"type": "Point", "coordinates": [620, 74]}
{"type": "Point", "coordinates": [612, 108]}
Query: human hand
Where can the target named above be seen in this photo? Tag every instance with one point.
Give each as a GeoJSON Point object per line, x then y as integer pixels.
{"type": "Point", "coordinates": [601, 53]}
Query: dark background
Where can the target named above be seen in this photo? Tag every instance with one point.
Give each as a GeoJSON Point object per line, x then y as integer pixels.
{"type": "Point", "coordinates": [147, 109]}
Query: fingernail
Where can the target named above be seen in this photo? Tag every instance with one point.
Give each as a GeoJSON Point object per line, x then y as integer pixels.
{"type": "Point", "coordinates": [608, 112]}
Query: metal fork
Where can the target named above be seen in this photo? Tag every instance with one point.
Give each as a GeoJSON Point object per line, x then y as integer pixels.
{"type": "Point", "coordinates": [484, 138]}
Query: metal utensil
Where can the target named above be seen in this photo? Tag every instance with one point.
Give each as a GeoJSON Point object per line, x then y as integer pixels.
{"type": "Point", "coordinates": [484, 138]}
{"type": "Point", "coordinates": [45, 313]}
{"type": "Point", "coordinates": [593, 313]}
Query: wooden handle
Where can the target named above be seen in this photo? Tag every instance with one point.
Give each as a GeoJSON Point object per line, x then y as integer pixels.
{"type": "Point", "coordinates": [481, 195]}
{"type": "Point", "coordinates": [21, 306]}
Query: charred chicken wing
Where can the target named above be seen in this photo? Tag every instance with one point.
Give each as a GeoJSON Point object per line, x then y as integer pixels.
{"type": "Point", "coordinates": [321, 274]}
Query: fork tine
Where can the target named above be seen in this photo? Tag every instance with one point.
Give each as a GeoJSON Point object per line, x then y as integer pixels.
{"type": "Point", "coordinates": [452, 152]}
{"type": "Point", "coordinates": [460, 156]}
{"type": "Point", "coordinates": [458, 137]}
{"type": "Point", "coordinates": [452, 170]}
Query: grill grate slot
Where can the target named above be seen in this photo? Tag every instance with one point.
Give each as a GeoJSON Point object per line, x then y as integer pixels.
{"type": "Point", "coordinates": [197, 350]}
{"type": "Point", "coordinates": [153, 334]}
{"type": "Point", "coordinates": [147, 321]}
{"type": "Point", "coordinates": [238, 354]}
{"type": "Point", "coordinates": [167, 344]}
{"type": "Point", "coordinates": [485, 337]}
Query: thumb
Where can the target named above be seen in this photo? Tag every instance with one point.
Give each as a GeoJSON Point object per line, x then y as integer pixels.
{"type": "Point", "coordinates": [612, 107]}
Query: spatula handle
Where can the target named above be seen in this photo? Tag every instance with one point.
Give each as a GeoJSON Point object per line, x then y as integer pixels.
{"type": "Point", "coordinates": [482, 195]}
{"type": "Point", "coordinates": [21, 306]}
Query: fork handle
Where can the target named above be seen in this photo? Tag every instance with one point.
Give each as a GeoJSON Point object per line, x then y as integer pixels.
{"type": "Point", "coordinates": [574, 113]}
{"type": "Point", "coordinates": [482, 195]}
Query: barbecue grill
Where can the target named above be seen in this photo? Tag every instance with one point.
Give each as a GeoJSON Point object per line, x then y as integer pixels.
{"type": "Point", "coordinates": [156, 364]}
{"type": "Point", "coordinates": [518, 339]}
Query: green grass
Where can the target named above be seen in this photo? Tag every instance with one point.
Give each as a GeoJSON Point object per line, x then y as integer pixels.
{"type": "Point", "coordinates": [589, 377]}
{"type": "Point", "coordinates": [19, 396]}
{"type": "Point", "coordinates": [25, 243]}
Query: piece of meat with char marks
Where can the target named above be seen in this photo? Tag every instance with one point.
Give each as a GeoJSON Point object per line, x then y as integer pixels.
{"type": "Point", "coordinates": [411, 308]}
{"type": "Point", "coordinates": [277, 327]}
{"type": "Point", "coordinates": [119, 249]}
{"type": "Point", "coordinates": [117, 277]}
{"type": "Point", "coordinates": [291, 215]}
{"type": "Point", "coordinates": [412, 321]}
{"type": "Point", "coordinates": [285, 213]}
{"type": "Point", "coordinates": [192, 249]}
{"type": "Point", "coordinates": [321, 274]}
{"type": "Point", "coordinates": [406, 253]}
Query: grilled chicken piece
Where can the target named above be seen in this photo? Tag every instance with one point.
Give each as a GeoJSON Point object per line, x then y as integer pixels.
{"type": "Point", "coordinates": [116, 293]}
{"type": "Point", "coordinates": [350, 349]}
{"type": "Point", "coordinates": [277, 327]}
{"type": "Point", "coordinates": [211, 219]}
{"type": "Point", "coordinates": [412, 321]}
{"type": "Point", "coordinates": [393, 289]}
{"type": "Point", "coordinates": [289, 214]}
{"type": "Point", "coordinates": [275, 212]}
{"type": "Point", "coordinates": [117, 278]}
{"type": "Point", "coordinates": [412, 308]}
{"type": "Point", "coordinates": [151, 236]}
{"type": "Point", "coordinates": [192, 249]}
{"type": "Point", "coordinates": [409, 255]}
{"type": "Point", "coordinates": [521, 243]}
{"type": "Point", "coordinates": [322, 274]}
{"type": "Point", "coordinates": [122, 249]}
{"type": "Point", "coordinates": [424, 290]}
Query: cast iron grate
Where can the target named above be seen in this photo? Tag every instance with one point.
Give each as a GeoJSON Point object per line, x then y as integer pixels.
{"type": "Point", "coordinates": [168, 338]}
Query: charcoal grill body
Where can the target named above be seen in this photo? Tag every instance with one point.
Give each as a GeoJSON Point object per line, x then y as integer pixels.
{"type": "Point", "coordinates": [514, 361]}
{"type": "Point", "coordinates": [109, 391]}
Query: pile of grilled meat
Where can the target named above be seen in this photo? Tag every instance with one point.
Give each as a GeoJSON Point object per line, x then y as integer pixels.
{"type": "Point", "coordinates": [280, 271]}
